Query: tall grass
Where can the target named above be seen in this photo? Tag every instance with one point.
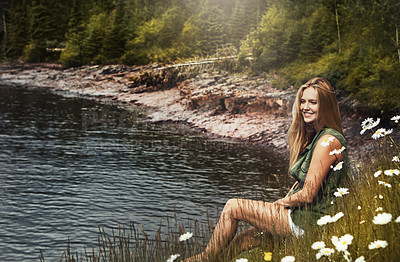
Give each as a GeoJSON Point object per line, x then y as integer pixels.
{"type": "Point", "coordinates": [374, 188]}
{"type": "Point", "coordinates": [134, 244]}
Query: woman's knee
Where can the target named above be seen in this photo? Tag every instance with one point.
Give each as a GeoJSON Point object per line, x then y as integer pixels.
{"type": "Point", "coordinates": [231, 205]}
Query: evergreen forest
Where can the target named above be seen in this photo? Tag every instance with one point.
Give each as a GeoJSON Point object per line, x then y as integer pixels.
{"type": "Point", "coordinates": [353, 43]}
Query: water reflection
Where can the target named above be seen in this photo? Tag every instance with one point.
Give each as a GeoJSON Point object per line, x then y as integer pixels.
{"type": "Point", "coordinates": [70, 164]}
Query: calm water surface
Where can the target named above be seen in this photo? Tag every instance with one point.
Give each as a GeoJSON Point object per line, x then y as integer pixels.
{"type": "Point", "coordinates": [69, 165]}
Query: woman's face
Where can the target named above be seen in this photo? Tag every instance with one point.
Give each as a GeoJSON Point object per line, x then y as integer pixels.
{"type": "Point", "coordinates": [309, 105]}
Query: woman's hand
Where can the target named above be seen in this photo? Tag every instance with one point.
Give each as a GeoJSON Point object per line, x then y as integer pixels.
{"type": "Point", "coordinates": [295, 185]}
{"type": "Point", "coordinates": [281, 202]}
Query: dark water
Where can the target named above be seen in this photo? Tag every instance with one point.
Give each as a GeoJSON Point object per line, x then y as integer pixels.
{"type": "Point", "coordinates": [69, 165]}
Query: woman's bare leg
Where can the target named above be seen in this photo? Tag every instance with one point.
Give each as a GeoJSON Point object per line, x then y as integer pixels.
{"type": "Point", "coordinates": [264, 216]}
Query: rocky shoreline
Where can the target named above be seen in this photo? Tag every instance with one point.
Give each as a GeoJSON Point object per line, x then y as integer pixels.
{"type": "Point", "coordinates": [235, 106]}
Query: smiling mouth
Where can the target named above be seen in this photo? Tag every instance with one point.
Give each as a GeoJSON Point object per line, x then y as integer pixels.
{"type": "Point", "coordinates": [308, 114]}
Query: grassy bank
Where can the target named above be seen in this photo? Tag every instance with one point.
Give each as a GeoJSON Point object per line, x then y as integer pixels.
{"type": "Point", "coordinates": [364, 227]}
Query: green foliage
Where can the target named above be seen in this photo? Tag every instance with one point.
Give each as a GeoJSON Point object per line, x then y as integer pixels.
{"type": "Point", "coordinates": [35, 51]}
{"type": "Point", "coordinates": [77, 19]}
{"type": "Point", "coordinates": [71, 55]}
{"type": "Point", "coordinates": [212, 29]}
{"type": "Point", "coordinates": [94, 36]}
{"type": "Point", "coordinates": [355, 44]}
{"type": "Point", "coordinates": [269, 42]}
{"type": "Point", "coordinates": [114, 40]}
{"type": "Point", "coordinates": [155, 39]}
{"type": "Point", "coordinates": [351, 43]}
{"type": "Point", "coordinates": [39, 21]}
{"type": "Point", "coordinates": [190, 36]}
{"type": "Point", "coordinates": [17, 31]}
{"type": "Point", "coordinates": [245, 18]}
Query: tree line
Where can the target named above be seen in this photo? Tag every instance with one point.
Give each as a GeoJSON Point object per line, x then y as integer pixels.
{"type": "Point", "coordinates": [125, 31]}
{"type": "Point", "coordinates": [353, 43]}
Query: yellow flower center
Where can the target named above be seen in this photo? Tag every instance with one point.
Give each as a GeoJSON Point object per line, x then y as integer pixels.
{"type": "Point", "coordinates": [267, 256]}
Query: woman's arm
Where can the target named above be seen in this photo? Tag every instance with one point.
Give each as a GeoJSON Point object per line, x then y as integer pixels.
{"type": "Point", "coordinates": [319, 168]}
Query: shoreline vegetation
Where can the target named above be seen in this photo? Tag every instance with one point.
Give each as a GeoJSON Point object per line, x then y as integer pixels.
{"type": "Point", "coordinates": [247, 108]}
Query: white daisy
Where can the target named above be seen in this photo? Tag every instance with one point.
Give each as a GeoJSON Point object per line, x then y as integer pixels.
{"type": "Point", "coordinates": [341, 191]}
{"type": "Point", "coordinates": [288, 259]}
{"type": "Point", "coordinates": [360, 259]}
{"type": "Point", "coordinates": [379, 133]}
{"type": "Point", "coordinates": [325, 252]}
{"type": "Point", "coordinates": [337, 151]}
{"type": "Point", "coordinates": [395, 118]}
{"type": "Point", "coordinates": [359, 207]}
{"type": "Point", "coordinates": [173, 257]}
{"type": "Point", "coordinates": [384, 183]}
{"type": "Point", "coordinates": [336, 217]}
{"type": "Point", "coordinates": [362, 222]}
{"type": "Point", "coordinates": [396, 159]}
{"type": "Point", "coordinates": [326, 142]}
{"type": "Point", "coordinates": [382, 219]}
{"type": "Point", "coordinates": [369, 123]}
{"type": "Point", "coordinates": [397, 219]}
{"type": "Point", "coordinates": [324, 220]}
{"type": "Point", "coordinates": [378, 244]}
{"type": "Point", "coordinates": [342, 243]}
{"type": "Point", "coordinates": [377, 173]}
{"type": "Point", "coordinates": [379, 209]}
{"type": "Point", "coordinates": [318, 245]}
{"type": "Point", "coordinates": [338, 166]}
{"type": "Point", "coordinates": [391, 172]}
{"type": "Point", "coordinates": [328, 219]}
{"type": "Point", "coordinates": [185, 236]}
{"type": "Point", "coordinates": [241, 260]}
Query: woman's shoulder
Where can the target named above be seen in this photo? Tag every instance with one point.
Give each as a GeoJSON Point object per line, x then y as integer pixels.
{"type": "Point", "coordinates": [331, 132]}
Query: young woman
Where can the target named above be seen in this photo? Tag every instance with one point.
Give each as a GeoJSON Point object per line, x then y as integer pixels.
{"type": "Point", "coordinates": [318, 162]}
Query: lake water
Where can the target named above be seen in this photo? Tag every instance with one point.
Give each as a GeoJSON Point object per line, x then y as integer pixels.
{"type": "Point", "coordinates": [69, 165]}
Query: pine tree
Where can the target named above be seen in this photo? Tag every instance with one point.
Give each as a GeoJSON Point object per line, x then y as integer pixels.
{"type": "Point", "coordinates": [4, 6]}
{"type": "Point", "coordinates": [244, 19]}
{"type": "Point", "coordinates": [17, 30]}
{"type": "Point", "coordinates": [77, 18]}
{"type": "Point", "coordinates": [213, 31]}
{"type": "Point", "coordinates": [115, 39]}
{"type": "Point", "coordinates": [39, 29]}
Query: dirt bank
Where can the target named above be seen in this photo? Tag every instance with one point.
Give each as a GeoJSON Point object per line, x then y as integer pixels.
{"type": "Point", "coordinates": [235, 106]}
